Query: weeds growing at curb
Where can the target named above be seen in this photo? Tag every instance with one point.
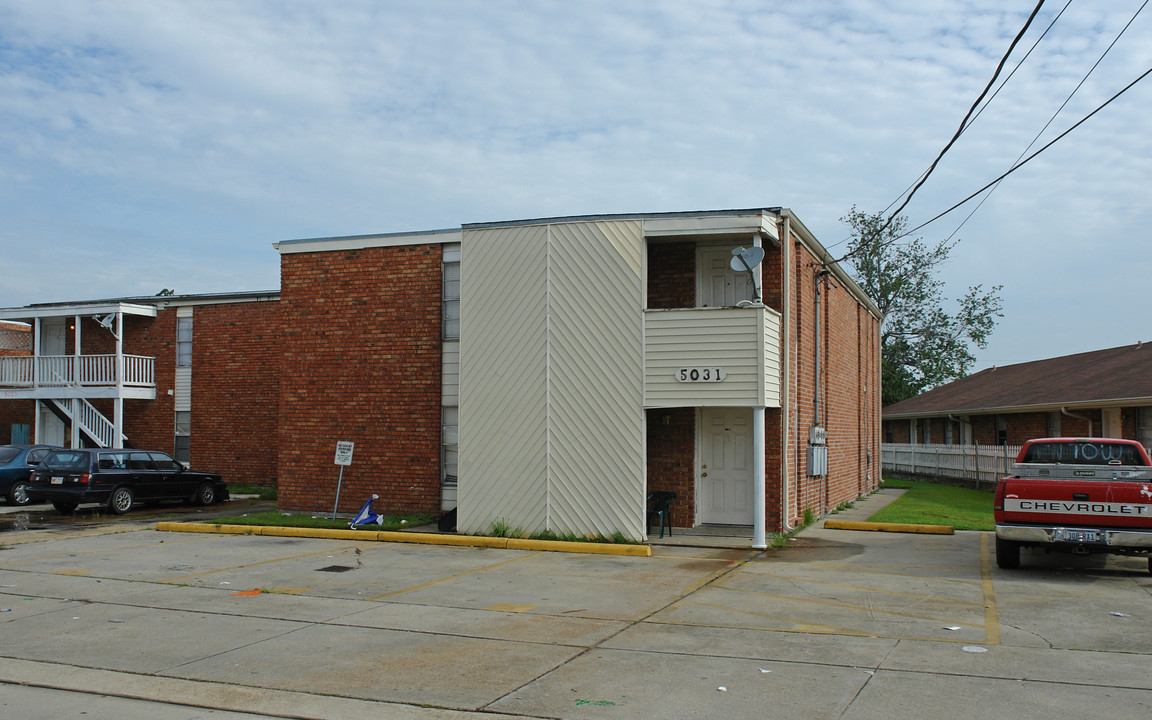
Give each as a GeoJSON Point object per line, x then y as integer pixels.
{"type": "Point", "coordinates": [501, 529]}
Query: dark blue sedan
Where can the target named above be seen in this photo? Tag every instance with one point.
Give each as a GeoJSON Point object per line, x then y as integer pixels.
{"type": "Point", "coordinates": [16, 465]}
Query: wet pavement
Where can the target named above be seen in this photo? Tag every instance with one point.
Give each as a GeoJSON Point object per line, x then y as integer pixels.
{"type": "Point", "coordinates": [124, 621]}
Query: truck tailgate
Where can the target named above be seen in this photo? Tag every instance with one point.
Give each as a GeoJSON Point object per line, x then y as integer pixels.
{"type": "Point", "coordinates": [1090, 503]}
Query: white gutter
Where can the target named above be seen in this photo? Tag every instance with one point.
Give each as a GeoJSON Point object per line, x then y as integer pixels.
{"type": "Point", "coordinates": [786, 248]}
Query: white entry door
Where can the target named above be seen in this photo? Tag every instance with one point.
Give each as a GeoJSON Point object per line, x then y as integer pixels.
{"type": "Point", "coordinates": [726, 466]}
{"type": "Point", "coordinates": [718, 285]}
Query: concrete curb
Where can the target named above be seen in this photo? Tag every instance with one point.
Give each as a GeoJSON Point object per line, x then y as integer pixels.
{"type": "Point", "coordinates": [591, 548]}
{"type": "Point", "coordinates": [889, 527]}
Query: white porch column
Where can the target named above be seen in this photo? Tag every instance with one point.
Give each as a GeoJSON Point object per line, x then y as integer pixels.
{"type": "Point", "coordinates": [75, 402]}
{"type": "Point", "coordinates": [118, 405]}
{"type": "Point", "coordinates": [758, 470]}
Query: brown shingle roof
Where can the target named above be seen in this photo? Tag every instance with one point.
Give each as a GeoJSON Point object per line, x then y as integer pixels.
{"type": "Point", "coordinates": [1101, 377]}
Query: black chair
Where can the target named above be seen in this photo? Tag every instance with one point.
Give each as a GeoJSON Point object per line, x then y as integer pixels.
{"type": "Point", "coordinates": [659, 503]}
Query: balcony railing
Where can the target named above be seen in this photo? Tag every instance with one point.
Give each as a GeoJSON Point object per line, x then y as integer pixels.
{"type": "Point", "coordinates": [77, 371]}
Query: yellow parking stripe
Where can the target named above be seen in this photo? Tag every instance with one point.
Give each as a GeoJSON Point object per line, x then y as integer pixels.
{"type": "Point", "coordinates": [100, 552]}
{"type": "Point", "coordinates": [868, 589]}
{"type": "Point", "coordinates": [850, 606]}
{"type": "Point", "coordinates": [453, 577]}
{"type": "Point", "coordinates": [801, 626]}
{"type": "Point", "coordinates": [262, 562]}
{"type": "Point", "coordinates": [991, 613]}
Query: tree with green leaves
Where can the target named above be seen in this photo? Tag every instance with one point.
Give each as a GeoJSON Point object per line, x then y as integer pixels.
{"type": "Point", "coordinates": [923, 345]}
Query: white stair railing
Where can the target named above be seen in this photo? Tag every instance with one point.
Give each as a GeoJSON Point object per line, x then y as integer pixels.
{"type": "Point", "coordinates": [90, 420]}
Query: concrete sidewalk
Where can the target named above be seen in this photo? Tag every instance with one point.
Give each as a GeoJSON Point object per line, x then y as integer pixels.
{"type": "Point", "coordinates": [739, 537]}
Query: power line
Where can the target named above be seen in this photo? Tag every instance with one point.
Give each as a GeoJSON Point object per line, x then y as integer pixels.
{"type": "Point", "coordinates": [1021, 164]}
{"type": "Point", "coordinates": [1058, 110]}
{"type": "Point", "coordinates": [964, 122]}
{"type": "Point", "coordinates": [984, 107]}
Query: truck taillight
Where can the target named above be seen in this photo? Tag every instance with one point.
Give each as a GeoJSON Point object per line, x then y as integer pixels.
{"type": "Point", "coordinates": [998, 502]}
{"type": "Point", "coordinates": [85, 478]}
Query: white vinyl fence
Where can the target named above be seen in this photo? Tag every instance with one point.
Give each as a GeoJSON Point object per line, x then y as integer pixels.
{"type": "Point", "coordinates": [975, 465]}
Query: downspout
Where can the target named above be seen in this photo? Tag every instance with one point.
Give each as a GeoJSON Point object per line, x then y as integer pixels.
{"type": "Point", "coordinates": [820, 275]}
{"type": "Point", "coordinates": [1064, 411]}
{"type": "Point", "coordinates": [786, 360]}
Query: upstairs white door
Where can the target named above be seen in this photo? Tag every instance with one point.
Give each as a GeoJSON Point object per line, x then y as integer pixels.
{"type": "Point", "coordinates": [726, 466]}
{"type": "Point", "coordinates": [718, 285]}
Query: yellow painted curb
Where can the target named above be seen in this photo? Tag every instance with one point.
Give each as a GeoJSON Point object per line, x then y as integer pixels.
{"type": "Point", "coordinates": [410, 537]}
{"type": "Point", "coordinates": [890, 527]}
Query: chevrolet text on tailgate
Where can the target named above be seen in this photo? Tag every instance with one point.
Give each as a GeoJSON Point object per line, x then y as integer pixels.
{"type": "Point", "coordinates": [1079, 495]}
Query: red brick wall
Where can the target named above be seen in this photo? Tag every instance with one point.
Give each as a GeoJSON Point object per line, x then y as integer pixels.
{"type": "Point", "coordinates": [236, 391]}
{"type": "Point", "coordinates": [671, 275]}
{"type": "Point", "coordinates": [17, 412]}
{"type": "Point", "coordinates": [362, 362]}
{"type": "Point", "coordinates": [849, 393]}
{"type": "Point", "coordinates": [672, 459]}
{"type": "Point", "coordinates": [151, 424]}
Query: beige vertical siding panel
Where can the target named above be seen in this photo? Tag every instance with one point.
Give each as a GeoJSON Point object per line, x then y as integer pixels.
{"type": "Point", "coordinates": [597, 378]}
{"type": "Point", "coordinates": [182, 390]}
{"type": "Point", "coordinates": [503, 379]}
{"type": "Point", "coordinates": [450, 392]}
{"type": "Point", "coordinates": [772, 359]}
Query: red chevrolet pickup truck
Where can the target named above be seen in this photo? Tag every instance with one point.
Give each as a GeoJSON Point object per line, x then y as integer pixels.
{"type": "Point", "coordinates": [1079, 495]}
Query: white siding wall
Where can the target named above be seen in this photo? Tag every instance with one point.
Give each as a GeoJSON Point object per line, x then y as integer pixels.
{"type": "Point", "coordinates": [551, 379]}
{"type": "Point", "coordinates": [450, 384]}
{"type": "Point", "coordinates": [182, 391]}
{"type": "Point", "coordinates": [596, 411]}
{"type": "Point", "coordinates": [503, 379]}
{"type": "Point", "coordinates": [745, 342]}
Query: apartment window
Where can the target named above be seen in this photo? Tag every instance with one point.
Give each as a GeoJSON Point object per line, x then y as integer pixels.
{"type": "Point", "coordinates": [183, 446]}
{"type": "Point", "coordinates": [452, 299]}
{"type": "Point", "coordinates": [183, 342]}
{"type": "Point", "coordinates": [449, 438]}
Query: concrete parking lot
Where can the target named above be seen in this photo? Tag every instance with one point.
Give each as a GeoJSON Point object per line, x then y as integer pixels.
{"type": "Point", "coordinates": [123, 621]}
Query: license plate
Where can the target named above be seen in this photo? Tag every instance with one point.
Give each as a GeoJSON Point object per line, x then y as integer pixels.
{"type": "Point", "coordinates": [57, 481]}
{"type": "Point", "coordinates": [1080, 536]}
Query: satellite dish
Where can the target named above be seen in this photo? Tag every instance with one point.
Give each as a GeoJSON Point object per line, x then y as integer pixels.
{"type": "Point", "coordinates": [745, 259]}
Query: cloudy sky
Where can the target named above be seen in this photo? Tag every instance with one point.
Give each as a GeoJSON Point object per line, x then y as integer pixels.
{"type": "Point", "coordinates": [149, 144]}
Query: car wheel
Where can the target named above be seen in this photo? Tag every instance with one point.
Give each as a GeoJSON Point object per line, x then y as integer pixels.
{"type": "Point", "coordinates": [64, 508]}
{"type": "Point", "coordinates": [18, 494]}
{"type": "Point", "coordinates": [1007, 554]}
{"type": "Point", "coordinates": [120, 501]}
{"type": "Point", "coordinates": [205, 494]}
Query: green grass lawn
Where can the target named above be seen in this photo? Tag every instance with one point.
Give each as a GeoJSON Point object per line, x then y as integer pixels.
{"type": "Point", "coordinates": [280, 519]}
{"type": "Point", "coordinates": [932, 504]}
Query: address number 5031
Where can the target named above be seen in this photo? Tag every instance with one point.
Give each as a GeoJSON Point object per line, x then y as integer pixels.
{"type": "Point", "coordinates": [700, 374]}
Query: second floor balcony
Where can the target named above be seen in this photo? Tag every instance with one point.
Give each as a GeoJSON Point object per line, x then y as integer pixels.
{"type": "Point", "coordinates": [77, 376]}
{"type": "Point", "coordinates": [712, 356]}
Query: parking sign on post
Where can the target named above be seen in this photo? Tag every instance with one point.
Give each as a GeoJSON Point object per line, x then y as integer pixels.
{"type": "Point", "coordinates": [343, 457]}
{"type": "Point", "coordinates": [344, 452]}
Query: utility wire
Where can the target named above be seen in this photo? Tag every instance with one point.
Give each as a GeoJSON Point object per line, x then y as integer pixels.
{"type": "Point", "coordinates": [984, 107]}
{"type": "Point", "coordinates": [1011, 170]}
{"type": "Point", "coordinates": [964, 122]}
{"type": "Point", "coordinates": [1021, 164]}
{"type": "Point", "coordinates": [1058, 110]}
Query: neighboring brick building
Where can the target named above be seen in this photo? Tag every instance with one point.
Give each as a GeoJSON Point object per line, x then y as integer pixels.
{"type": "Point", "coordinates": [193, 375]}
{"type": "Point", "coordinates": [1104, 393]}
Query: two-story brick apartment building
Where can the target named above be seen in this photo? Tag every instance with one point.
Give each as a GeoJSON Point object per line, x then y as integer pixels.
{"type": "Point", "coordinates": [547, 374]}
{"type": "Point", "coordinates": [542, 374]}
{"type": "Point", "coordinates": [193, 375]}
